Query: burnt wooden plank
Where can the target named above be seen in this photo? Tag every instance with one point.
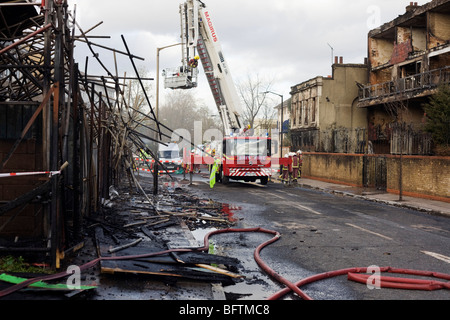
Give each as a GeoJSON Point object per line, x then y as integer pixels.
{"type": "Point", "coordinates": [162, 265]}
{"type": "Point", "coordinates": [166, 270]}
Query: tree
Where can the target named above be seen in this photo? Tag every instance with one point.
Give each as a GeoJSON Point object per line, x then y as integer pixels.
{"type": "Point", "coordinates": [181, 111]}
{"type": "Point", "coordinates": [252, 94]}
{"type": "Point", "coordinates": [437, 113]}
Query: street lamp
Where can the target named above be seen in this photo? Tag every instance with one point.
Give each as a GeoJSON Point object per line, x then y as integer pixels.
{"type": "Point", "coordinates": [158, 50]}
{"type": "Point", "coordinates": [155, 167]}
{"type": "Point", "coordinates": [282, 120]}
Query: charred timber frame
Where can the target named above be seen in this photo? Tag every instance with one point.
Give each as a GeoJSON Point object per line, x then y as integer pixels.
{"type": "Point", "coordinates": [80, 123]}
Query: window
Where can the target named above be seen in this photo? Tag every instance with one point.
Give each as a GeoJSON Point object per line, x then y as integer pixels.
{"type": "Point", "coordinates": [248, 147]}
{"type": "Point", "coordinates": [307, 107]}
{"type": "Point", "coordinates": [313, 110]}
{"type": "Point", "coordinates": [294, 113]}
{"type": "Point", "coordinates": [302, 106]}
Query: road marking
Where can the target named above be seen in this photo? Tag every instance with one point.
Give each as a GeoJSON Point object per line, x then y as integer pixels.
{"type": "Point", "coordinates": [375, 233]}
{"type": "Point", "coordinates": [427, 228]}
{"type": "Point", "coordinates": [293, 204]}
{"type": "Point", "coordinates": [437, 256]}
{"type": "Point", "coordinates": [299, 206]}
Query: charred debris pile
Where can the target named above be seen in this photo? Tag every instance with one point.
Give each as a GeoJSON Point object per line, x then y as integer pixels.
{"type": "Point", "coordinates": [132, 228]}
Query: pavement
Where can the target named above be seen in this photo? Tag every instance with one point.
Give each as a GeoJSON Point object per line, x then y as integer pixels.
{"type": "Point", "coordinates": [420, 204]}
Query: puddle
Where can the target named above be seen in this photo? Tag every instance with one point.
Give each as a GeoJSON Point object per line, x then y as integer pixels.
{"type": "Point", "coordinates": [245, 291]}
{"type": "Point", "coordinates": [199, 234]}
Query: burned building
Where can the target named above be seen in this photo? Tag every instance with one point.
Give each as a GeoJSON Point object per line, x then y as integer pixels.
{"type": "Point", "coordinates": [409, 58]}
{"type": "Point", "coordinates": [324, 113]}
{"type": "Point", "coordinates": [64, 136]}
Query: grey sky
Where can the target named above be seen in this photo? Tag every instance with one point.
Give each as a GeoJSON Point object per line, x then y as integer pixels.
{"type": "Point", "coordinates": [285, 40]}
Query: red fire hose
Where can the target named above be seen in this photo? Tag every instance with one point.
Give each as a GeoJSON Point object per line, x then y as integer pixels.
{"type": "Point", "coordinates": [352, 273]}
{"type": "Point", "coordinates": [384, 282]}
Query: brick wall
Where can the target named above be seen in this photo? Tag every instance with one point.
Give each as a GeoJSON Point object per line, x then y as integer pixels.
{"type": "Point", "coordinates": [426, 177]}
{"type": "Point", "coordinates": [334, 167]}
{"type": "Point", "coordinates": [401, 52]}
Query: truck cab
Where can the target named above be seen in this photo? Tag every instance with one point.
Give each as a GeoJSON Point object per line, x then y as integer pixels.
{"type": "Point", "coordinates": [247, 159]}
{"type": "Point", "coordinates": [170, 157]}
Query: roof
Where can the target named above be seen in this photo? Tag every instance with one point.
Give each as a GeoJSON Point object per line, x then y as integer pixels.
{"type": "Point", "coordinates": [414, 16]}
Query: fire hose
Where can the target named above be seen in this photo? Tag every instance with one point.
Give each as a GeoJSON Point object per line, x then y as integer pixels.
{"type": "Point", "coordinates": [353, 274]}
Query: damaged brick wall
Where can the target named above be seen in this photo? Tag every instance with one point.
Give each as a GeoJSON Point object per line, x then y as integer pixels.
{"type": "Point", "coordinates": [402, 46]}
{"type": "Point", "coordinates": [439, 29]}
{"type": "Point", "coordinates": [401, 52]}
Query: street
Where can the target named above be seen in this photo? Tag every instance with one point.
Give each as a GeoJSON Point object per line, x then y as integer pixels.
{"type": "Point", "coordinates": [322, 232]}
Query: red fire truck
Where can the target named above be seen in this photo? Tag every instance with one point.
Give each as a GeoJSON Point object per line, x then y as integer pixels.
{"type": "Point", "coordinates": [241, 155]}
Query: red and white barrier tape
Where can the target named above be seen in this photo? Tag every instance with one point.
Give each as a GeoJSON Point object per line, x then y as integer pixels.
{"type": "Point", "coordinates": [19, 174]}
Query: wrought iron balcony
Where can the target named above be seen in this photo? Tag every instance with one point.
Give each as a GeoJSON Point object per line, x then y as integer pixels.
{"type": "Point", "coordinates": [403, 88]}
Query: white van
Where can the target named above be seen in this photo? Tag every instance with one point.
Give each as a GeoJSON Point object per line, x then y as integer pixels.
{"type": "Point", "coordinates": [169, 156]}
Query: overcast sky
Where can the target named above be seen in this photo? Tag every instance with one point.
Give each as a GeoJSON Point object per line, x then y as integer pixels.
{"type": "Point", "coordinates": [284, 40]}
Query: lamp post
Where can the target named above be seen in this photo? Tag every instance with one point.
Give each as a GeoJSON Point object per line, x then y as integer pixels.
{"type": "Point", "coordinates": [158, 50]}
{"type": "Point", "coordinates": [155, 167]}
{"type": "Point", "coordinates": [282, 121]}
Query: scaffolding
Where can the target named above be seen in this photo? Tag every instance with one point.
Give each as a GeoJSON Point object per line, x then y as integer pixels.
{"type": "Point", "coordinates": [66, 136]}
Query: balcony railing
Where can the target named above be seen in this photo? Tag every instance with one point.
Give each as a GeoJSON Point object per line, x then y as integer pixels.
{"type": "Point", "coordinates": [408, 86]}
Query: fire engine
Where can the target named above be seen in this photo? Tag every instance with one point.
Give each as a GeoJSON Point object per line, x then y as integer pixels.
{"type": "Point", "coordinates": [242, 155]}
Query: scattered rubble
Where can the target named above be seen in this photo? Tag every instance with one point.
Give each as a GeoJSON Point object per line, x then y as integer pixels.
{"type": "Point", "coordinates": [133, 227]}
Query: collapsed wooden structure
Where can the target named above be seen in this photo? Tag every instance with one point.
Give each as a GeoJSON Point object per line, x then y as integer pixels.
{"type": "Point", "coordinates": [65, 136]}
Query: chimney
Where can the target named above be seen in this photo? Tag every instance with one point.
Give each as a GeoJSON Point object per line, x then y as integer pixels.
{"type": "Point", "coordinates": [412, 6]}
{"type": "Point", "coordinates": [341, 60]}
{"type": "Point", "coordinates": [336, 60]}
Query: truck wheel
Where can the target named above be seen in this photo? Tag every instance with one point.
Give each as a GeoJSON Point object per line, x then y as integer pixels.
{"type": "Point", "coordinates": [264, 180]}
{"type": "Point", "coordinates": [225, 180]}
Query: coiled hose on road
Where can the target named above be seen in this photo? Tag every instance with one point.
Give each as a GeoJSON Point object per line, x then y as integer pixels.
{"type": "Point", "coordinates": [352, 273]}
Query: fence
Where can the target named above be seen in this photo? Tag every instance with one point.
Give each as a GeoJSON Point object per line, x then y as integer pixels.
{"type": "Point", "coordinates": [339, 140]}
{"type": "Point", "coordinates": [406, 140]}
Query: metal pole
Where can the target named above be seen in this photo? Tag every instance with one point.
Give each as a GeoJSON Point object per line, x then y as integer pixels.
{"type": "Point", "coordinates": [282, 120]}
{"type": "Point", "coordinates": [156, 166]}
{"type": "Point", "coordinates": [282, 125]}
{"type": "Point", "coordinates": [158, 50]}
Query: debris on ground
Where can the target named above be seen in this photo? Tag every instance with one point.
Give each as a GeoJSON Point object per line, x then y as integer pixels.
{"type": "Point", "coordinates": [130, 226]}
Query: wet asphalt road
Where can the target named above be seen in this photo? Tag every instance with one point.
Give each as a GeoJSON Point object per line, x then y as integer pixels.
{"type": "Point", "coordinates": [322, 232]}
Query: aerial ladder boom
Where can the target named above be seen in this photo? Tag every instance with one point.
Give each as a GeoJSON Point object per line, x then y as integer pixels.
{"type": "Point", "coordinates": [240, 155]}
{"type": "Point", "coordinates": [200, 40]}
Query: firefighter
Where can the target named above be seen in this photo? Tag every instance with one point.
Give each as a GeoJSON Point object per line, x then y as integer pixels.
{"type": "Point", "coordinates": [300, 158]}
{"type": "Point", "coordinates": [286, 171]}
{"type": "Point", "coordinates": [213, 155]}
{"type": "Point", "coordinates": [295, 167]}
{"type": "Point", "coordinates": [193, 63]}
